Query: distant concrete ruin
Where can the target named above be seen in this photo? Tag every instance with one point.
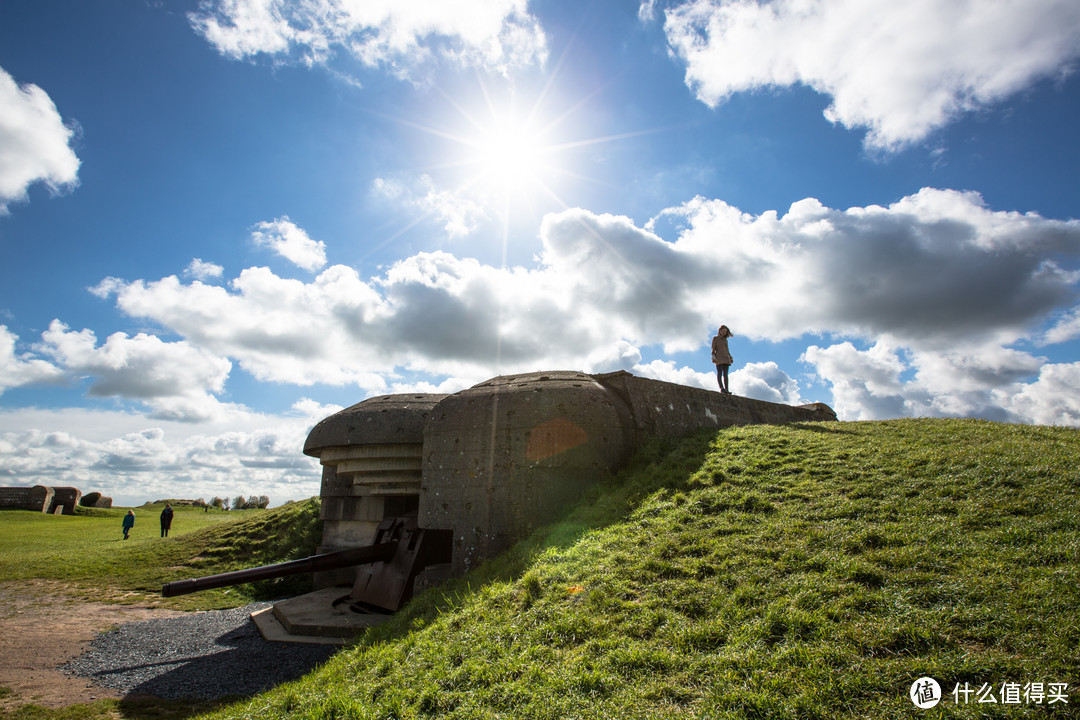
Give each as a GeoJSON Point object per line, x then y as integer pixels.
{"type": "Point", "coordinates": [96, 500]}
{"type": "Point", "coordinates": [490, 463]}
{"type": "Point", "coordinates": [40, 498]}
{"type": "Point", "coordinates": [50, 500]}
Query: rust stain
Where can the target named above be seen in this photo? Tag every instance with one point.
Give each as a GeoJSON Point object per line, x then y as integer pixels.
{"type": "Point", "coordinates": [553, 437]}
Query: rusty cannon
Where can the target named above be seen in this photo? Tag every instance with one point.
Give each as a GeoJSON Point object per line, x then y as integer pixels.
{"type": "Point", "coordinates": [398, 552]}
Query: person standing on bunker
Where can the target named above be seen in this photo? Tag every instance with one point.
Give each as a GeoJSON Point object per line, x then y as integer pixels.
{"type": "Point", "coordinates": [721, 357]}
{"type": "Point", "coordinates": [166, 520]}
{"type": "Point", "coordinates": [129, 522]}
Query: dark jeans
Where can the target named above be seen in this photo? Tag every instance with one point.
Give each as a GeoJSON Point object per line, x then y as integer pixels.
{"type": "Point", "coordinates": [721, 377]}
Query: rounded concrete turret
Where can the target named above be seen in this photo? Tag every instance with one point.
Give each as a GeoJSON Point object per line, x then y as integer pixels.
{"type": "Point", "coordinates": [381, 419]}
{"type": "Point", "coordinates": [371, 456]}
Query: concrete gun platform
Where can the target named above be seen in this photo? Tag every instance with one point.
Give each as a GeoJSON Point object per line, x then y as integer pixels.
{"type": "Point", "coordinates": [322, 617]}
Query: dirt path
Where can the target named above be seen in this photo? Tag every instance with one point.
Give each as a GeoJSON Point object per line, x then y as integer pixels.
{"type": "Point", "coordinates": [42, 626]}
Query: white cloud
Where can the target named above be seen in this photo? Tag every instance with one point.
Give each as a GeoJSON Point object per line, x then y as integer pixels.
{"type": "Point", "coordinates": [761, 381]}
{"type": "Point", "coordinates": [667, 371]}
{"type": "Point", "coordinates": [202, 270]}
{"type": "Point", "coordinates": [988, 382]}
{"type": "Point", "coordinates": [122, 456]}
{"type": "Point", "coordinates": [446, 387]}
{"type": "Point", "coordinates": [940, 285]}
{"type": "Point", "coordinates": [177, 380]}
{"type": "Point", "coordinates": [1066, 328]}
{"type": "Point", "coordinates": [399, 34]}
{"type": "Point", "coordinates": [288, 240]}
{"type": "Point", "coordinates": [459, 214]}
{"type": "Point", "coordinates": [766, 381]}
{"type": "Point", "coordinates": [278, 329]}
{"type": "Point", "coordinates": [865, 384]}
{"type": "Point", "coordinates": [934, 268]}
{"type": "Point", "coordinates": [901, 70]}
{"type": "Point", "coordinates": [34, 143]}
{"type": "Point", "coordinates": [17, 370]}
{"type": "Point", "coordinates": [1050, 400]}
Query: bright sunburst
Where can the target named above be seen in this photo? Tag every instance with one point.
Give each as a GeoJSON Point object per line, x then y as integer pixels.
{"type": "Point", "coordinates": [509, 154]}
{"type": "Point", "coordinates": [501, 159]}
{"type": "Point", "coordinates": [500, 156]}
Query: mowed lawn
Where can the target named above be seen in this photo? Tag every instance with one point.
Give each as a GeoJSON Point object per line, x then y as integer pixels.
{"type": "Point", "coordinates": [88, 554]}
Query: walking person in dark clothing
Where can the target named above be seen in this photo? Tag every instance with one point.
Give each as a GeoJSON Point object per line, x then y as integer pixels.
{"type": "Point", "coordinates": [721, 357]}
{"type": "Point", "coordinates": [166, 520]}
{"type": "Point", "coordinates": [129, 522]}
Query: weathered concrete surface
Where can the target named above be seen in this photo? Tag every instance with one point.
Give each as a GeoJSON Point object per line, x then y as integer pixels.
{"type": "Point", "coordinates": [509, 454]}
{"type": "Point", "coordinates": [377, 420]}
{"type": "Point", "coordinates": [96, 500]}
{"type": "Point", "coordinates": [320, 617]}
{"type": "Point", "coordinates": [64, 500]}
{"type": "Point", "coordinates": [494, 461]}
{"type": "Point", "coordinates": [663, 409]}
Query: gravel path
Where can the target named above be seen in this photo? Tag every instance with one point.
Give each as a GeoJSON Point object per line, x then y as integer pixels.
{"type": "Point", "coordinates": [206, 655]}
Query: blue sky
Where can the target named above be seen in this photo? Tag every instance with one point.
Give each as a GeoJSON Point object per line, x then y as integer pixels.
{"type": "Point", "coordinates": [224, 220]}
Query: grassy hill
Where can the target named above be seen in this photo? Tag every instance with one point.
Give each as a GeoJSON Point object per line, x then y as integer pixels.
{"type": "Point", "coordinates": [810, 571]}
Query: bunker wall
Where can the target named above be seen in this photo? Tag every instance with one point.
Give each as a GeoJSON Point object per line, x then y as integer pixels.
{"type": "Point", "coordinates": [664, 409]}
{"type": "Point", "coordinates": [37, 498]}
{"type": "Point", "coordinates": [64, 500]}
{"type": "Point", "coordinates": [511, 454]}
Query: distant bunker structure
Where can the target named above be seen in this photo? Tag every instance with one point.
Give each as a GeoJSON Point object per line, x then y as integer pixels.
{"type": "Point", "coordinates": [41, 498]}
{"type": "Point", "coordinates": [487, 465]}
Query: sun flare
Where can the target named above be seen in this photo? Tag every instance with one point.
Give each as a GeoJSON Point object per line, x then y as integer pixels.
{"type": "Point", "coordinates": [503, 155]}
{"type": "Point", "coordinates": [508, 154]}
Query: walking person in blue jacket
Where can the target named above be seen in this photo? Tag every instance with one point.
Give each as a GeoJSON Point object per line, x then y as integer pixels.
{"type": "Point", "coordinates": [129, 522]}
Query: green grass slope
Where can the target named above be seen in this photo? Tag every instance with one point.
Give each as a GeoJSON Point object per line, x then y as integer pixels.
{"type": "Point", "coordinates": [809, 571]}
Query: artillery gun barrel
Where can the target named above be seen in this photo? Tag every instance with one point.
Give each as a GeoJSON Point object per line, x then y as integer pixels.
{"type": "Point", "coordinates": [316, 563]}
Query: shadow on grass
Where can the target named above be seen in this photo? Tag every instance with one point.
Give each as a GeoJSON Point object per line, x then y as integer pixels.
{"type": "Point", "coordinates": [136, 707]}
{"type": "Point", "coordinates": [827, 428]}
{"type": "Point", "coordinates": [131, 707]}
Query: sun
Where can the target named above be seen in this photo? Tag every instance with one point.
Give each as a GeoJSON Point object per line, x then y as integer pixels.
{"type": "Point", "coordinates": [509, 153]}
{"type": "Point", "coordinates": [504, 148]}
{"type": "Point", "coordinates": [502, 155]}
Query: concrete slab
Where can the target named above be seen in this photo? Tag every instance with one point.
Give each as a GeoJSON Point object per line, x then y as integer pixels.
{"type": "Point", "coordinates": [272, 630]}
{"type": "Point", "coordinates": [323, 616]}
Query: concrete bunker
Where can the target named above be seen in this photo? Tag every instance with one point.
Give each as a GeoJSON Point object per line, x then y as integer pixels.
{"type": "Point", "coordinates": [420, 487]}
{"type": "Point", "coordinates": [490, 463]}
